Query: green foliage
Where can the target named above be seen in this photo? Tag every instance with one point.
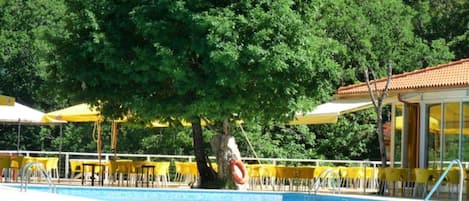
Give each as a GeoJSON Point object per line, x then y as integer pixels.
{"type": "Point", "coordinates": [187, 58]}
{"type": "Point", "coordinates": [22, 24]}
{"type": "Point", "coordinates": [446, 20]}
{"type": "Point", "coordinates": [276, 142]}
{"type": "Point", "coordinates": [169, 141]}
{"type": "Point", "coordinates": [374, 33]}
{"type": "Point", "coordinates": [353, 137]}
{"type": "Point", "coordinates": [77, 137]}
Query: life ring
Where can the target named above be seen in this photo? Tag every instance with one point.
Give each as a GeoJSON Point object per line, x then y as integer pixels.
{"type": "Point", "coordinates": [236, 177]}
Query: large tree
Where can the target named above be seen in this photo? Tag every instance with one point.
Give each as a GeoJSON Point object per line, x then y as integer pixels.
{"type": "Point", "coordinates": [217, 60]}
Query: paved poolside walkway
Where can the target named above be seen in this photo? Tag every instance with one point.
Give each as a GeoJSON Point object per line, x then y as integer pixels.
{"type": "Point", "coordinates": [13, 194]}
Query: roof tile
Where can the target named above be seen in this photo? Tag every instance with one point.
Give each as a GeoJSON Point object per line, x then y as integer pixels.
{"type": "Point", "coordinates": [451, 75]}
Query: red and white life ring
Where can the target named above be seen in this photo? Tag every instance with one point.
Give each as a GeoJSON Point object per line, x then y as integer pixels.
{"type": "Point", "coordinates": [236, 177]}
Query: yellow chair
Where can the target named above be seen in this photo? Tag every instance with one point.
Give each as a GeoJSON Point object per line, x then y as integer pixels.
{"type": "Point", "coordinates": [5, 165]}
{"type": "Point", "coordinates": [381, 179]}
{"type": "Point", "coordinates": [306, 176]}
{"type": "Point", "coordinates": [186, 172]}
{"type": "Point", "coordinates": [16, 164]}
{"type": "Point", "coordinates": [193, 171]}
{"type": "Point", "coordinates": [75, 168]}
{"type": "Point", "coordinates": [355, 177]}
{"type": "Point", "coordinates": [396, 175]}
{"type": "Point", "coordinates": [51, 165]}
{"type": "Point", "coordinates": [452, 180]}
{"type": "Point", "coordinates": [372, 177]}
{"type": "Point", "coordinates": [161, 173]}
{"type": "Point", "coordinates": [267, 175]}
{"type": "Point", "coordinates": [423, 177]}
{"type": "Point", "coordinates": [285, 177]}
{"type": "Point", "coordinates": [254, 177]}
{"type": "Point", "coordinates": [179, 171]}
{"type": "Point", "coordinates": [118, 169]}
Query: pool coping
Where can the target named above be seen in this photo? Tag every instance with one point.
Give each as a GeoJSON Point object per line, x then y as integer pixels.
{"type": "Point", "coordinates": [13, 194]}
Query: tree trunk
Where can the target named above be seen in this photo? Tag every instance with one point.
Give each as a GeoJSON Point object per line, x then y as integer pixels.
{"type": "Point", "coordinates": [382, 144]}
{"type": "Point", "coordinates": [207, 176]}
{"type": "Point", "coordinates": [220, 147]}
{"type": "Point", "coordinates": [226, 148]}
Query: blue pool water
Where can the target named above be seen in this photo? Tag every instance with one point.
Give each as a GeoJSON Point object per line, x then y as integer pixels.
{"type": "Point", "coordinates": [140, 194]}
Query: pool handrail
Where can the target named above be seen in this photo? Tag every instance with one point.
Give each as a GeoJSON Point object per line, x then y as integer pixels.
{"type": "Point", "coordinates": [325, 174]}
{"type": "Point", "coordinates": [442, 177]}
{"type": "Point", "coordinates": [26, 172]}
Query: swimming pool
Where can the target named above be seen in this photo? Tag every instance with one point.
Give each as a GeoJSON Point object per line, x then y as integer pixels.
{"type": "Point", "coordinates": [141, 194]}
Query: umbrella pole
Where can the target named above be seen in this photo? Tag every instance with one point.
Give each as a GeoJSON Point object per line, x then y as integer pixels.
{"type": "Point", "coordinates": [60, 153]}
{"type": "Point", "coordinates": [99, 141]}
{"type": "Point", "coordinates": [18, 137]}
{"type": "Point", "coordinates": [114, 138]}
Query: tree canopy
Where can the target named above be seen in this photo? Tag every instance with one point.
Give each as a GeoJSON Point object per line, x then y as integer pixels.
{"type": "Point", "coordinates": [256, 59]}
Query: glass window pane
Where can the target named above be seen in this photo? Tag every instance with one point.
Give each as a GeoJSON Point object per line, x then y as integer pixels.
{"type": "Point", "coordinates": [451, 131]}
{"type": "Point", "coordinates": [465, 137]}
{"type": "Point", "coordinates": [398, 131]}
{"type": "Point", "coordinates": [433, 135]}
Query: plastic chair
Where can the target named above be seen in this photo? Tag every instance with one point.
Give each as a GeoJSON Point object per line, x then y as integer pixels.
{"type": "Point", "coordinates": [396, 175]}
{"type": "Point", "coordinates": [452, 181]}
{"type": "Point", "coordinates": [284, 176]}
{"type": "Point", "coordinates": [267, 175]}
{"type": "Point", "coordinates": [5, 165]}
{"type": "Point", "coordinates": [423, 177]}
{"type": "Point", "coordinates": [179, 171]}
{"type": "Point", "coordinates": [51, 165]}
{"type": "Point", "coordinates": [120, 169]}
{"type": "Point", "coordinates": [354, 177]}
{"type": "Point", "coordinates": [75, 168]}
{"type": "Point", "coordinates": [306, 176]}
{"type": "Point", "coordinates": [16, 164]}
{"type": "Point", "coordinates": [254, 176]}
{"type": "Point", "coordinates": [161, 173]}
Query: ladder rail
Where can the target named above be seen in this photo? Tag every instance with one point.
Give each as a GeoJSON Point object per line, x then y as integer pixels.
{"type": "Point", "coordinates": [26, 173]}
{"type": "Point", "coordinates": [325, 174]}
{"type": "Point", "coordinates": [442, 177]}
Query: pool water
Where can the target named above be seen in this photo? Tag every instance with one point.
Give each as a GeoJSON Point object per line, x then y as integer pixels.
{"type": "Point", "coordinates": [140, 194]}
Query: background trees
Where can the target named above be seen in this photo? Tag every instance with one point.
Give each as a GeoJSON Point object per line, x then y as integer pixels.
{"type": "Point", "coordinates": [259, 60]}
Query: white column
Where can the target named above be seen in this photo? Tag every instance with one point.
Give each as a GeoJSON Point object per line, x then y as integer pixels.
{"type": "Point", "coordinates": [423, 136]}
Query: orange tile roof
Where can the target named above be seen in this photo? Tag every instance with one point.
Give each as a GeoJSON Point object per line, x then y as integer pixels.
{"type": "Point", "coordinates": [451, 75]}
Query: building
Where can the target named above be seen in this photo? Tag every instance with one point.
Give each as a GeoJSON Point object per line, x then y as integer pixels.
{"type": "Point", "coordinates": [430, 110]}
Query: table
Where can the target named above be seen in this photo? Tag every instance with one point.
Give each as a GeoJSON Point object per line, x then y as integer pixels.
{"type": "Point", "coordinates": [93, 168]}
{"type": "Point", "coordinates": [148, 168]}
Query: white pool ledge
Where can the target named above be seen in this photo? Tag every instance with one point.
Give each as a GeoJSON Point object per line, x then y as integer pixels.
{"type": "Point", "coordinates": [13, 194]}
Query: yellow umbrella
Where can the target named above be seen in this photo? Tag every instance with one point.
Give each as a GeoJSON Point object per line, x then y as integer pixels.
{"type": "Point", "coordinates": [7, 100]}
{"type": "Point", "coordinates": [81, 113]}
{"type": "Point", "coordinates": [77, 113]}
{"type": "Point", "coordinates": [157, 123]}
